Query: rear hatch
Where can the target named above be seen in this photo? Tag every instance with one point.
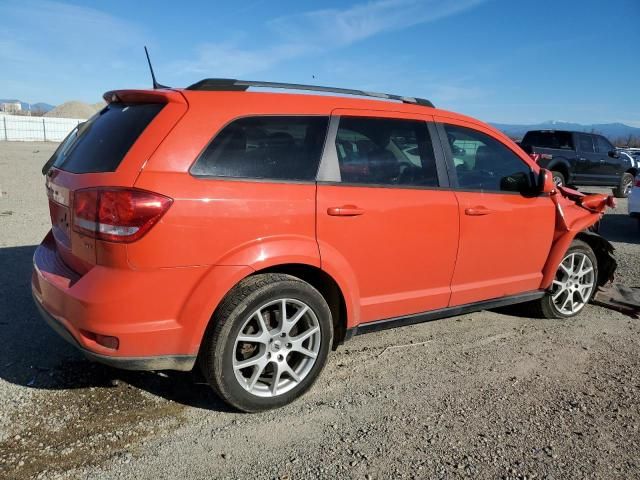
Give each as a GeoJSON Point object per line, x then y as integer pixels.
{"type": "Point", "coordinates": [107, 151]}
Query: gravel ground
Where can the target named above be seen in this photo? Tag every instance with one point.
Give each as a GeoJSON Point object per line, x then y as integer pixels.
{"type": "Point", "coordinates": [485, 395]}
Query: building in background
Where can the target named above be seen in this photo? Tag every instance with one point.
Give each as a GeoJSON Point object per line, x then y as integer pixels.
{"type": "Point", "coordinates": [11, 107]}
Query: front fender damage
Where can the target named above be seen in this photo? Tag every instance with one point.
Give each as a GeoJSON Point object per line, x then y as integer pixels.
{"type": "Point", "coordinates": [578, 216]}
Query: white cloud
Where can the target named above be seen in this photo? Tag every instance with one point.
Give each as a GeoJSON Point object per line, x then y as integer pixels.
{"type": "Point", "coordinates": [319, 31]}
{"type": "Point", "coordinates": [334, 27]}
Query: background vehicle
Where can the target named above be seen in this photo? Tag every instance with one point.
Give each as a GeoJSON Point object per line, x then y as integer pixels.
{"type": "Point", "coordinates": [627, 157]}
{"type": "Point", "coordinates": [253, 232]}
{"type": "Point", "coordinates": [578, 158]}
{"type": "Point", "coordinates": [634, 200]}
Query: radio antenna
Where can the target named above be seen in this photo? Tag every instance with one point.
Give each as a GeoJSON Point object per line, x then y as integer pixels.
{"type": "Point", "coordinates": [156, 85]}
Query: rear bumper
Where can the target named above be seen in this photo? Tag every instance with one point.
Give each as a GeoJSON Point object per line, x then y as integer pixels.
{"type": "Point", "coordinates": [161, 362]}
{"type": "Point", "coordinates": [141, 308]}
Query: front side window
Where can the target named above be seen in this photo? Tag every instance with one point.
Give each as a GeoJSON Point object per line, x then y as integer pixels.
{"type": "Point", "coordinates": [603, 145]}
{"type": "Point", "coordinates": [586, 143]}
{"type": "Point", "coordinates": [484, 163]}
{"type": "Point", "coordinates": [385, 151]}
{"type": "Point", "coordinates": [273, 148]}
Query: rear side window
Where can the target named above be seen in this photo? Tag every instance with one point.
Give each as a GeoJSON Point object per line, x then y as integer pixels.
{"type": "Point", "coordinates": [586, 143]}
{"type": "Point", "coordinates": [382, 151]}
{"type": "Point", "coordinates": [272, 148]}
{"type": "Point", "coordinates": [100, 143]}
{"type": "Point", "coordinates": [559, 140]}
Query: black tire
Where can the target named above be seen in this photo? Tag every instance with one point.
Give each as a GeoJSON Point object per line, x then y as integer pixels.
{"type": "Point", "coordinates": [544, 307]}
{"type": "Point", "coordinates": [218, 348]}
{"type": "Point", "coordinates": [622, 190]}
{"type": "Point", "coordinates": [558, 178]}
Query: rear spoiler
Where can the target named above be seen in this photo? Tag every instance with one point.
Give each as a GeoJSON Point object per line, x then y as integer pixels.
{"type": "Point", "coordinates": [144, 96]}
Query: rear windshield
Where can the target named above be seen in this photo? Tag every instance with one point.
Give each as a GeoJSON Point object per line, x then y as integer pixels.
{"type": "Point", "coordinates": [100, 143]}
{"type": "Point", "coordinates": [561, 140]}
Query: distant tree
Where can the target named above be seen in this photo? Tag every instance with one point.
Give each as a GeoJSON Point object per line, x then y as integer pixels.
{"type": "Point", "coordinates": [630, 140]}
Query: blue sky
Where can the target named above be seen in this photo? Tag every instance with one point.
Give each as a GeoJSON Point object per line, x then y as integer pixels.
{"type": "Point", "coordinates": [512, 61]}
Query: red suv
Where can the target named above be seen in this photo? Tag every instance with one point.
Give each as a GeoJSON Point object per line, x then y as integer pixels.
{"type": "Point", "coordinates": [252, 232]}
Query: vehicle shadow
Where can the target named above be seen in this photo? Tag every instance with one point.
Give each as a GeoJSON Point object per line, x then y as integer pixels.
{"type": "Point", "coordinates": [34, 356]}
{"type": "Point", "coordinates": [617, 227]}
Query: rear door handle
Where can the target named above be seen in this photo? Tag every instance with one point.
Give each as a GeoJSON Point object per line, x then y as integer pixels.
{"type": "Point", "coordinates": [478, 211]}
{"type": "Point", "coordinates": [345, 211]}
{"type": "Point", "coordinates": [582, 159]}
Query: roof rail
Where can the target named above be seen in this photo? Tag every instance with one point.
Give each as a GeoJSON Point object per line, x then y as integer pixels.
{"type": "Point", "coordinates": [230, 84]}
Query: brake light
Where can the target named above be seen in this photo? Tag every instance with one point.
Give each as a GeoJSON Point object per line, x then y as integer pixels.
{"type": "Point", "coordinates": [638, 182]}
{"type": "Point", "coordinates": [117, 214]}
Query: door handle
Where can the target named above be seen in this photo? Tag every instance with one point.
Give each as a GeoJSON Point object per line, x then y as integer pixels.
{"type": "Point", "coordinates": [345, 211]}
{"type": "Point", "coordinates": [478, 211]}
{"type": "Point", "coordinates": [582, 159]}
{"type": "Point", "coordinates": [602, 160]}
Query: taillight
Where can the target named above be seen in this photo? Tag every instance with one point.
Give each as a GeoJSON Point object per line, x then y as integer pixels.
{"type": "Point", "coordinates": [637, 181]}
{"type": "Point", "coordinates": [117, 214]}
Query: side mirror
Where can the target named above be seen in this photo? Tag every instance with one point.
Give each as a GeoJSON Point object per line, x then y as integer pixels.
{"type": "Point", "coordinates": [545, 181]}
{"type": "Point", "coordinates": [614, 154]}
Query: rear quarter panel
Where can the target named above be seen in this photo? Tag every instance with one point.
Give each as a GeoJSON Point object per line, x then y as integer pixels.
{"type": "Point", "coordinates": [218, 221]}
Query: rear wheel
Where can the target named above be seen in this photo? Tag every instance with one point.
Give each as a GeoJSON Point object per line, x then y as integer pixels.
{"type": "Point", "coordinates": [268, 342]}
{"type": "Point", "coordinates": [624, 189]}
{"type": "Point", "coordinates": [573, 286]}
{"type": "Point", "coordinates": [558, 179]}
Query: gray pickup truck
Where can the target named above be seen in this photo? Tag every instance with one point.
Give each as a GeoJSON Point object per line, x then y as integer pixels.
{"type": "Point", "coordinates": [579, 158]}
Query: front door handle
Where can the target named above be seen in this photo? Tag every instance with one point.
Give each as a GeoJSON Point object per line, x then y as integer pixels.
{"type": "Point", "coordinates": [345, 211]}
{"type": "Point", "coordinates": [478, 211]}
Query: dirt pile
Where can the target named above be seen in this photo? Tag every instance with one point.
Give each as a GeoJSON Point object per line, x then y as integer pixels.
{"type": "Point", "coordinates": [74, 109]}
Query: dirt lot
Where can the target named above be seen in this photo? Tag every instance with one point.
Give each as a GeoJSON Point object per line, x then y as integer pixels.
{"type": "Point", "coordinates": [485, 395]}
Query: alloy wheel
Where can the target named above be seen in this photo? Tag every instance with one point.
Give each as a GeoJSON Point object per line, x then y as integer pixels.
{"type": "Point", "coordinates": [627, 186]}
{"type": "Point", "coordinates": [276, 347]}
{"type": "Point", "coordinates": [574, 283]}
{"type": "Point", "coordinates": [557, 180]}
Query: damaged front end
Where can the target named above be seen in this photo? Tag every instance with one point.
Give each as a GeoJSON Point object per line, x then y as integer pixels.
{"type": "Point", "coordinates": [578, 216]}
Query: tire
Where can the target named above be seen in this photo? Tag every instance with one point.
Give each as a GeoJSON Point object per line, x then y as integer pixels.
{"type": "Point", "coordinates": [277, 355]}
{"type": "Point", "coordinates": [626, 183]}
{"type": "Point", "coordinates": [549, 305]}
{"type": "Point", "coordinates": [558, 178]}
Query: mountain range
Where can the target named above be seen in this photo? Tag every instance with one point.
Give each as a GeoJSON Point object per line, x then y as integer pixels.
{"type": "Point", "coordinates": [609, 130]}
{"type": "Point", "coordinates": [41, 106]}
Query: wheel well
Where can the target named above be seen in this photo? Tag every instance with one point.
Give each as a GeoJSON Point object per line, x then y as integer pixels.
{"type": "Point", "coordinates": [603, 251]}
{"type": "Point", "coordinates": [562, 168]}
{"type": "Point", "coordinates": [327, 286]}
{"type": "Point", "coordinates": [633, 171]}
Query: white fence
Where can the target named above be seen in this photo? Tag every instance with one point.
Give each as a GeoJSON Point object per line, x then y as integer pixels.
{"type": "Point", "coordinates": [35, 129]}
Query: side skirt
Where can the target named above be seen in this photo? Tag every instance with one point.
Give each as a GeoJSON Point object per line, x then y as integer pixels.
{"type": "Point", "coordinates": [443, 313]}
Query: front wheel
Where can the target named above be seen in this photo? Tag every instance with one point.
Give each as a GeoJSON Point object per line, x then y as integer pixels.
{"type": "Point", "coordinates": [624, 189]}
{"type": "Point", "coordinates": [573, 286]}
{"type": "Point", "coordinates": [558, 179]}
{"type": "Point", "coordinates": [268, 342]}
